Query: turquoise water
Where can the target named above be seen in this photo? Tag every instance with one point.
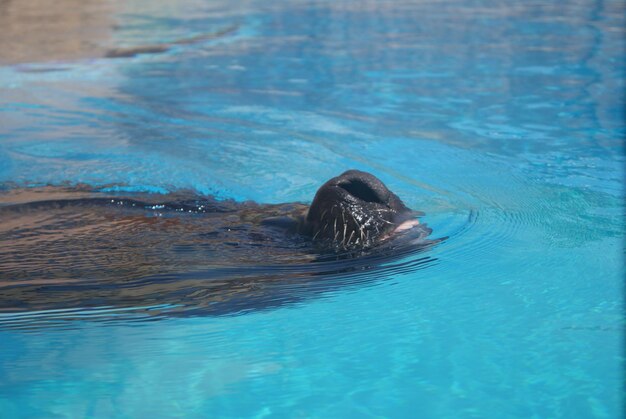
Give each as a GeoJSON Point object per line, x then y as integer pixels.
{"type": "Point", "coordinates": [503, 122]}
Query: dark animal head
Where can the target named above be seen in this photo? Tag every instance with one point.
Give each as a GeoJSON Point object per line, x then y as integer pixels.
{"type": "Point", "coordinates": [356, 209]}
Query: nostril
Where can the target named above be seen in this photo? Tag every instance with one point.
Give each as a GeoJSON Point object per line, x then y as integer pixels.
{"type": "Point", "coordinates": [361, 190]}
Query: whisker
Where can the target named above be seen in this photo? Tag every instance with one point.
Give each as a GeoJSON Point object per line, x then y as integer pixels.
{"type": "Point", "coordinates": [351, 234]}
{"type": "Point", "coordinates": [360, 226]}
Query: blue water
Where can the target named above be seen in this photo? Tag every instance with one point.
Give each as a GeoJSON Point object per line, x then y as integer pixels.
{"type": "Point", "coordinates": [503, 122]}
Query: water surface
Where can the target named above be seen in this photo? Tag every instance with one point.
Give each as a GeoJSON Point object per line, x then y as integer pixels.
{"type": "Point", "coordinates": [503, 123]}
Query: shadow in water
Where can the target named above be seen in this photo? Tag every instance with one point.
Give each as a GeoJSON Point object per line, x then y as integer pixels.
{"type": "Point", "coordinates": [71, 252]}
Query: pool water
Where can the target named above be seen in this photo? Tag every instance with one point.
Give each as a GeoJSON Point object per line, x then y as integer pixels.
{"type": "Point", "coordinates": [503, 122]}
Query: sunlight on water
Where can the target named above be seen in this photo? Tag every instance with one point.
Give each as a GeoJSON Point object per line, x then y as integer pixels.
{"type": "Point", "coordinates": [502, 122]}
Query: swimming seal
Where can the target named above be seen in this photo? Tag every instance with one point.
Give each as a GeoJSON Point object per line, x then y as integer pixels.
{"type": "Point", "coordinates": [76, 247]}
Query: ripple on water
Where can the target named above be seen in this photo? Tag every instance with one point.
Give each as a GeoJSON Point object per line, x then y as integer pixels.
{"type": "Point", "coordinates": [115, 261]}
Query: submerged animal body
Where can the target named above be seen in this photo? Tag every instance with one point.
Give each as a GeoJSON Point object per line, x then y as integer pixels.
{"type": "Point", "coordinates": [76, 247]}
